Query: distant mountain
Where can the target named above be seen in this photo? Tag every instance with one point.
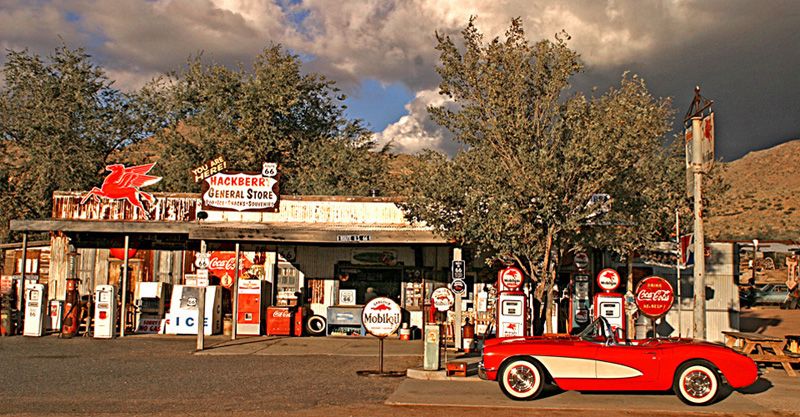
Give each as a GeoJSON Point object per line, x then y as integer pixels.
{"type": "Point", "coordinates": [763, 201]}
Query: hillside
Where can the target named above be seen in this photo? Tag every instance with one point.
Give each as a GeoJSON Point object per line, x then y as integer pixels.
{"type": "Point", "coordinates": [763, 200]}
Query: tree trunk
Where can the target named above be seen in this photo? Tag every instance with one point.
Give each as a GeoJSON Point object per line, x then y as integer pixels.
{"type": "Point", "coordinates": [547, 282]}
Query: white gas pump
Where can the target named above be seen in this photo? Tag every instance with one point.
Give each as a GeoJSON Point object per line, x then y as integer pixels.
{"type": "Point", "coordinates": [609, 304]}
{"type": "Point", "coordinates": [105, 317]}
{"type": "Point", "coordinates": [512, 314]}
{"type": "Point", "coordinates": [35, 303]}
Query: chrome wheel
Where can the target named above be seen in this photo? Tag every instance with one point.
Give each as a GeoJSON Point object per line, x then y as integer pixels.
{"type": "Point", "coordinates": [521, 379]}
{"type": "Point", "coordinates": [697, 383]}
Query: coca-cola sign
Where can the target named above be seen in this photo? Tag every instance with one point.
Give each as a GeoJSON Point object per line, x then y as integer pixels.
{"type": "Point", "coordinates": [281, 313]}
{"type": "Point", "coordinates": [223, 265]}
{"type": "Point", "coordinates": [654, 297]}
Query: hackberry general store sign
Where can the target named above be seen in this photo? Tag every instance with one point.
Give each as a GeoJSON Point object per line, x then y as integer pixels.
{"type": "Point", "coordinates": [240, 191]}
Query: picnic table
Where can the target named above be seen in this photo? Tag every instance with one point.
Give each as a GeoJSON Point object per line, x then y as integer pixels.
{"type": "Point", "coordinates": [762, 348]}
{"type": "Point", "coordinates": [793, 343]}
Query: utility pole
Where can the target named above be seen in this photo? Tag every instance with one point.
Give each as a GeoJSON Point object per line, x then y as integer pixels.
{"type": "Point", "coordinates": [699, 237]}
{"type": "Point", "coordinates": [699, 156]}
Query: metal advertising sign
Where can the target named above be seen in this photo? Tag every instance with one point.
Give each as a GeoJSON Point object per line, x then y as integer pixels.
{"type": "Point", "coordinates": [608, 279]}
{"type": "Point", "coordinates": [240, 192]}
{"type": "Point", "coordinates": [123, 184]}
{"type": "Point", "coordinates": [223, 265]}
{"type": "Point", "coordinates": [443, 299]}
{"type": "Point", "coordinates": [654, 297]}
{"type": "Point", "coordinates": [381, 317]}
{"type": "Point", "coordinates": [511, 278]}
{"type": "Point", "coordinates": [210, 168]}
{"type": "Point", "coordinates": [581, 260]}
{"type": "Point", "coordinates": [457, 270]}
{"type": "Point", "coordinates": [459, 287]}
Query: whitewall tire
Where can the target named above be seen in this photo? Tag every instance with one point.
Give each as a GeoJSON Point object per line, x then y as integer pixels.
{"type": "Point", "coordinates": [521, 379]}
{"type": "Point", "coordinates": [697, 383]}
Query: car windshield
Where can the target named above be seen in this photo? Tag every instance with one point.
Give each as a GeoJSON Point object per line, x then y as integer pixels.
{"type": "Point", "coordinates": [596, 332]}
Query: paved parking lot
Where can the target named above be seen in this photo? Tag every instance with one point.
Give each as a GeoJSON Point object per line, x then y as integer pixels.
{"type": "Point", "coordinates": [162, 376]}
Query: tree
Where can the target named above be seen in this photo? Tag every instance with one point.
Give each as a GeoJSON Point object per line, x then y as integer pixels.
{"type": "Point", "coordinates": [535, 158]}
{"type": "Point", "coordinates": [60, 120]}
{"type": "Point", "coordinates": [273, 113]}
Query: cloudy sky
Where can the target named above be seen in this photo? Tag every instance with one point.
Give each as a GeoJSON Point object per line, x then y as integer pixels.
{"type": "Point", "coordinates": [745, 54]}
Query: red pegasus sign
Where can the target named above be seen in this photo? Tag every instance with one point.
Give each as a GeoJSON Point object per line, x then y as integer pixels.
{"type": "Point", "coordinates": [123, 184]}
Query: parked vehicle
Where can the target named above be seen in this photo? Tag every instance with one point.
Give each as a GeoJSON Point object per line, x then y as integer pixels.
{"type": "Point", "coordinates": [766, 294]}
{"type": "Point", "coordinates": [700, 373]}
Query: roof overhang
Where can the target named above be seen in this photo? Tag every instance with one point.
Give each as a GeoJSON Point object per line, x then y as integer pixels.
{"type": "Point", "coordinates": [315, 233]}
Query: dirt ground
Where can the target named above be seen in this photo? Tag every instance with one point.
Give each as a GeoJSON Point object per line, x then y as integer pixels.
{"type": "Point", "coordinates": [770, 320]}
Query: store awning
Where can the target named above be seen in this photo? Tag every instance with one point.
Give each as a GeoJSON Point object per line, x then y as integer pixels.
{"type": "Point", "coordinates": [325, 233]}
{"type": "Point", "coordinates": [99, 226]}
{"type": "Point", "coordinates": [314, 233]}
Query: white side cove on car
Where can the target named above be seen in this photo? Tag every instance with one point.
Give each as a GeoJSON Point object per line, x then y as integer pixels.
{"type": "Point", "coordinates": [564, 367]}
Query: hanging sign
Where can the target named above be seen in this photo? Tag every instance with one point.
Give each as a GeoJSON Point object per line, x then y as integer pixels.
{"type": "Point", "coordinates": [654, 297]}
{"type": "Point", "coordinates": [608, 279]}
{"type": "Point", "coordinates": [381, 317]}
{"type": "Point", "coordinates": [443, 299]}
{"type": "Point", "coordinates": [511, 278]}
{"type": "Point", "coordinates": [240, 192]}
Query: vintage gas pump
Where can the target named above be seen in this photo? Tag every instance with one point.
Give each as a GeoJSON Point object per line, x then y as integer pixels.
{"type": "Point", "coordinates": [35, 303]}
{"type": "Point", "coordinates": [579, 302]}
{"type": "Point", "coordinates": [610, 304]}
{"type": "Point", "coordinates": [56, 314]}
{"type": "Point", "coordinates": [72, 309]}
{"type": "Point", "coordinates": [512, 304]}
{"type": "Point", "coordinates": [105, 307]}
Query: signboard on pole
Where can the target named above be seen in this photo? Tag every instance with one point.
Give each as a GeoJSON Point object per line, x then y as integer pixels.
{"type": "Point", "coordinates": [459, 287]}
{"type": "Point", "coordinates": [381, 317]}
{"type": "Point", "coordinates": [457, 270]}
{"type": "Point", "coordinates": [443, 299]}
{"type": "Point", "coordinates": [654, 297]}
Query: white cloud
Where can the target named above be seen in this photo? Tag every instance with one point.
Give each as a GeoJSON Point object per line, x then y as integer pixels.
{"type": "Point", "coordinates": [416, 131]}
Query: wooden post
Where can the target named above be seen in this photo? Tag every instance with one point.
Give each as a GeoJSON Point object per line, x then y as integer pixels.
{"type": "Point", "coordinates": [201, 318]}
{"type": "Point", "coordinates": [123, 311]}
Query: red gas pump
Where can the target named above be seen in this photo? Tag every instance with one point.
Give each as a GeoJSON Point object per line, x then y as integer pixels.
{"type": "Point", "coordinates": [72, 309]}
{"type": "Point", "coordinates": [512, 304]}
{"type": "Point", "coordinates": [610, 304]}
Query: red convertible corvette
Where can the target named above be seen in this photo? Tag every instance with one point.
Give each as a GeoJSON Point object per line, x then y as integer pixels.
{"type": "Point", "coordinates": [595, 360]}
